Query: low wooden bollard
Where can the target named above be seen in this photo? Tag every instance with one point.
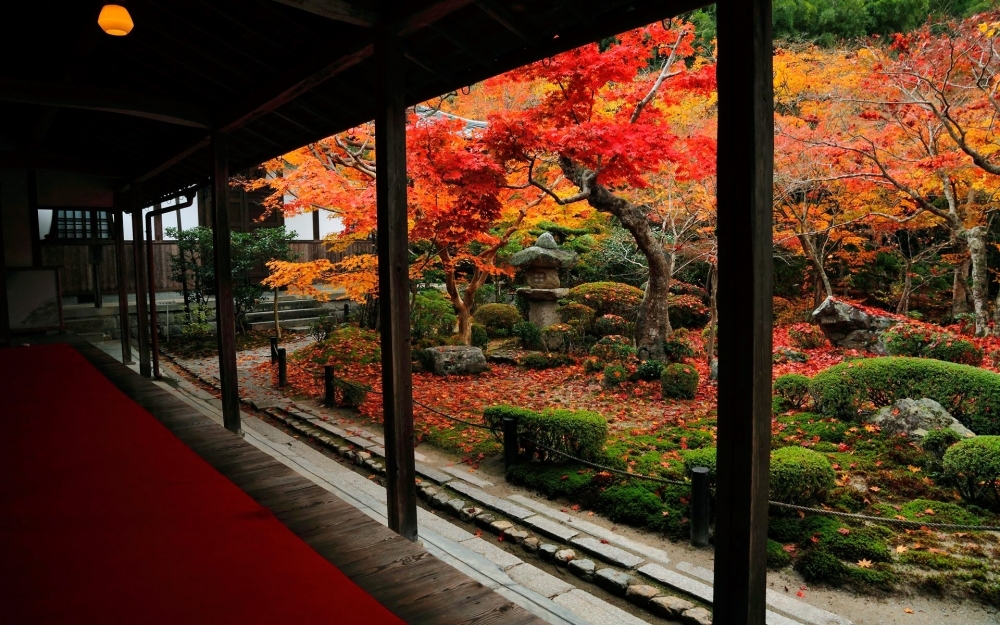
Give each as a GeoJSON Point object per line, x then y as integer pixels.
{"type": "Point", "coordinates": [511, 448]}
{"type": "Point", "coordinates": [700, 495]}
{"type": "Point", "coordinates": [274, 349]}
{"type": "Point", "coordinates": [282, 368]}
{"type": "Point", "coordinates": [328, 398]}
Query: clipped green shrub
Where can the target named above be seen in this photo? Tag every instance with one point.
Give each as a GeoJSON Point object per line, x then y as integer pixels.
{"type": "Point", "coordinates": [579, 315]}
{"type": "Point", "coordinates": [592, 364]}
{"type": "Point", "coordinates": [907, 340]}
{"type": "Point", "coordinates": [614, 374]}
{"type": "Point", "coordinates": [679, 381]}
{"type": "Point", "coordinates": [552, 480]}
{"type": "Point", "coordinates": [936, 442]}
{"type": "Point", "coordinates": [943, 512]}
{"type": "Point", "coordinates": [580, 433]}
{"type": "Point", "coordinates": [970, 394]}
{"type": "Point", "coordinates": [558, 337]}
{"type": "Point", "coordinates": [607, 325]}
{"type": "Point", "coordinates": [677, 347]}
{"type": "Point", "coordinates": [433, 315]}
{"type": "Point", "coordinates": [687, 311]}
{"type": "Point", "coordinates": [974, 465]}
{"type": "Point", "coordinates": [853, 544]}
{"type": "Point", "coordinates": [630, 503]}
{"type": "Point", "coordinates": [678, 287]}
{"type": "Point", "coordinates": [819, 565]}
{"type": "Point", "coordinates": [806, 336]}
{"type": "Point", "coordinates": [480, 338]}
{"type": "Point", "coordinates": [777, 557]}
{"type": "Point", "coordinates": [498, 319]}
{"type": "Point", "coordinates": [529, 335]}
{"type": "Point", "coordinates": [608, 298]}
{"type": "Point", "coordinates": [613, 349]}
{"type": "Point", "coordinates": [351, 394]}
{"type": "Point", "coordinates": [800, 476]}
{"type": "Point", "coordinates": [649, 370]}
{"type": "Point", "coordinates": [543, 360]}
{"type": "Point", "coordinates": [703, 457]}
{"type": "Point", "coordinates": [793, 389]}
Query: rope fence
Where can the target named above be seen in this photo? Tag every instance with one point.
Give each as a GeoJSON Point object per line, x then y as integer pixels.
{"type": "Point", "coordinates": [512, 451]}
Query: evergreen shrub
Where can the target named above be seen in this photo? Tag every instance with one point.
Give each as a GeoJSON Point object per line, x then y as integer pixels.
{"type": "Point", "coordinates": [579, 315]}
{"type": "Point", "coordinates": [498, 319]}
{"type": "Point", "coordinates": [480, 337]}
{"type": "Point", "coordinates": [679, 381]}
{"type": "Point", "coordinates": [608, 298]}
{"type": "Point", "coordinates": [677, 347]}
{"type": "Point", "coordinates": [970, 394]}
{"type": "Point", "coordinates": [649, 370]}
{"type": "Point", "coordinates": [703, 457]}
{"type": "Point", "coordinates": [529, 335]}
{"type": "Point", "coordinates": [800, 476]}
{"type": "Point", "coordinates": [792, 389]}
{"type": "Point", "coordinates": [580, 433]}
{"type": "Point", "coordinates": [543, 360]}
{"type": "Point", "coordinates": [613, 348]}
{"type": "Point", "coordinates": [614, 374]}
{"type": "Point", "coordinates": [687, 311]}
{"type": "Point", "coordinates": [607, 325]}
{"type": "Point", "coordinates": [974, 465]}
{"type": "Point", "coordinates": [907, 340]}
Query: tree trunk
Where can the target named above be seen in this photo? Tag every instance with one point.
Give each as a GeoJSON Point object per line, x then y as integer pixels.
{"type": "Point", "coordinates": [277, 320]}
{"type": "Point", "coordinates": [976, 239]}
{"type": "Point", "coordinates": [822, 280]}
{"type": "Point", "coordinates": [464, 322]}
{"type": "Point", "coordinates": [904, 300]}
{"type": "Point", "coordinates": [714, 319]}
{"type": "Point", "coordinates": [652, 326]}
{"type": "Point", "coordinates": [961, 294]}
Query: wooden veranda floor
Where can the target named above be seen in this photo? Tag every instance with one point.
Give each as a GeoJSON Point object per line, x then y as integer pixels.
{"type": "Point", "coordinates": [400, 575]}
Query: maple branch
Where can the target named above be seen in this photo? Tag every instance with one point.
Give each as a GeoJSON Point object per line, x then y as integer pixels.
{"type": "Point", "coordinates": [665, 73]}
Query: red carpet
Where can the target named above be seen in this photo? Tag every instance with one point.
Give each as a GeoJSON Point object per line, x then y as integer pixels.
{"type": "Point", "coordinates": [106, 517]}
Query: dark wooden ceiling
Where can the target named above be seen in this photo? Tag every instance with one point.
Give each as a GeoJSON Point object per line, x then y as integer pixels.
{"type": "Point", "coordinates": [274, 74]}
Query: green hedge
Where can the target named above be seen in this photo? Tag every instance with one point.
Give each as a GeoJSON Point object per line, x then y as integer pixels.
{"type": "Point", "coordinates": [480, 337]}
{"type": "Point", "coordinates": [580, 433]}
{"type": "Point", "coordinates": [679, 381]}
{"type": "Point", "coordinates": [925, 343]}
{"type": "Point", "coordinates": [607, 325]}
{"type": "Point", "coordinates": [498, 319]}
{"type": "Point", "coordinates": [530, 335]}
{"type": "Point", "coordinates": [613, 349]}
{"type": "Point", "coordinates": [792, 389]}
{"type": "Point", "coordinates": [800, 476]}
{"type": "Point", "coordinates": [974, 464]}
{"type": "Point", "coordinates": [608, 298]}
{"type": "Point", "coordinates": [970, 394]}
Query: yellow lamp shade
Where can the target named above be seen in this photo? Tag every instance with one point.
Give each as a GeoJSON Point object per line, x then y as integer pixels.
{"type": "Point", "coordinates": [115, 20]}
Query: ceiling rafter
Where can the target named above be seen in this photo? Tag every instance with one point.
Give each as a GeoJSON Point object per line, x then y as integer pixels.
{"type": "Point", "coordinates": [336, 10]}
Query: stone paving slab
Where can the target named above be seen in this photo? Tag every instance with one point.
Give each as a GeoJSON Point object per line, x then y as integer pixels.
{"type": "Point", "coordinates": [331, 428]}
{"type": "Point", "coordinates": [606, 552]}
{"type": "Point", "coordinates": [538, 580]}
{"type": "Point", "coordinates": [697, 571]}
{"type": "Point", "coordinates": [594, 610]}
{"type": "Point", "coordinates": [465, 474]}
{"type": "Point", "coordinates": [548, 527]}
{"type": "Point", "coordinates": [650, 553]}
{"type": "Point", "coordinates": [490, 501]}
{"type": "Point", "coordinates": [678, 581]}
{"type": "Point", "coordinates": [431, 473]}
{"type": "Point", "coordinates": [364, 443]}
{"type": "Point", "coordinates": [773, 618]}
{"type": "Point", "coordinates": [441, 526]}
{"type": "Point", "coordinates": [530, 601]}
{"type": "Point", "coordinates": [494, 554]}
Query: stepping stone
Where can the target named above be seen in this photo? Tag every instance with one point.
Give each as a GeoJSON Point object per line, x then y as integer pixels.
{"type": "Point", "coordinates": [641, 594]}
{"type": "Point", "coordinates": [440, 500]}
{"type": "Point", "coordinates": [531, 544]}
{"type": "Point", "coordinates": [547, 552]}
{"type": "Point", "coordinates": [563, 556]}
{"type": "Point", "coordinates": [678, 581]}
{"type": "Point", "coordinates": [455, 506]}
{"type": "Point", "coordinates": [489, 501]}
{"type": "Point", "coordinates": [515, 536]}
{"type": "Point", "coordinates": [485, 520]}
{"type": "Point", "coordinates": [697, 616]}
{"type": "Point", "coordinates": [467, 514]}
{"type": "Point", "coordinates": [613, 581]}
{"type": "Point", "coordinates": [538, 580]}
{"type": "Point", "coordinates": [361, 442]}
{"type": "Point", "coordinates": [464, 474]}
{"type": "Point", "coordinates": [431, 473]}
{"type": "Point", "coordinates": [670, 607]}
{"type": "Point", "coordinates": [499, 527]}
{"type": "Point", "coordinates": [584, 569]}
{"type": "Point", "coordinates": [550, 528]}
{"type": "Point", "coordinates": [595, 611]}
{"type": "Point", "coordinates": [608, 553]}
{"type": "Point", "coordinates": [494, 554]}
{"type": "Point", "coordinates": [802, 611]}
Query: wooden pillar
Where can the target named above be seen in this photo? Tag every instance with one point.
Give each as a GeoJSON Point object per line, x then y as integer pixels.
{"type": "Point", "coordinates": [121, 277]}
{"type": "Point", "coordinates": [745, 170]}
{"type": "Point", "coordinates": [4, 309]}
{"type": "Point", "coordinates": [36, 237]}
{"type": "Point", "coordinates": [315, 224]}
{"type": "Point", "coordinates": [139, 269]}
{"type": "Point", "coordinates": [225, 320]}
{"type": "Point", "coordinates": [393, 280]}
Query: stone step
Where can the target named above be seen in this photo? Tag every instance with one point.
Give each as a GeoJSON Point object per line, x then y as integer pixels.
{"type": "Point", "coordinates": [302, 324]}
{"type": "Point", "coordinates": [291, 313]}
{"type": "Point", "coordinates": [295, 304]}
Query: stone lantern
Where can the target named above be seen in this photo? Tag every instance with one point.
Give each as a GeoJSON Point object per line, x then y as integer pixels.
{"type": "Point", "coordinates": [541, 264]}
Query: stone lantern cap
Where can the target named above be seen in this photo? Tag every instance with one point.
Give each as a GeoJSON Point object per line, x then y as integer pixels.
{"type": "Point", "coordinates": [544, 253]}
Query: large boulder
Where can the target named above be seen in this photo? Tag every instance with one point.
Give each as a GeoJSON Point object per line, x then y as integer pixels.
{"type": "Point", "coordinates": [849, 326]}
{"type": "Point", "coordinates": [915, 417]}
{"type": "Point", "coordinates": [456, 360]}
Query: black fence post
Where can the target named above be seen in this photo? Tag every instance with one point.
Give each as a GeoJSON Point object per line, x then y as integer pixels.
{"type": "Point", "coordinates": [328, 398]}
{"type": "Point", "coordinates": [699, 506]}
{"type": "Point", "coordinates": [347, 311]}
{"type": "Point", "coordinates": [274, 349]}
{"type": "Point", "coordinates": [510, 443]}
{"type": "Point", "coordinates": [282, 368]}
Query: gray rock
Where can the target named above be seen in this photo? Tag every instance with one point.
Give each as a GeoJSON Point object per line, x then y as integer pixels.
{"type": "Point", "coordinates": [787, 354]}
{"type": "Point", "coordinates": [467, 514]}
{"type": "Point", "coordinates": [455, 506]}
{"type": "Point", "coordinates": [641, 594]}
{"type": "Point", "coordinates": [456, 360]}
{"type": "Point", "coordinates": [915, 417]}
{"type": "Point", "coordinates": [544, 253]}
{"type": "Point", "coordinates": [485, 520]}
{"type": "Point", "coordinates": [563, 556]}
{"type": "Point", "coordinates": [850, 327]}
{"type": "Point", "coordinates": [361, 456]}
{"type": "Point", "coordinates": [427, 493]}
{"type": "Point", "coordinates": [670, 607]}
{"type": "Point", "coordinates": [547, 552]}
{"type": "Point", "coordinates": [440, 500]}
{"type": "Point", "coordinates": [584, 569]}
{"type": "Point", "coordinates": [613, 581]}
{"type": "Point", "coordinates": [499, 527]}
{"type": "Point", "coordinates": [713, 370]}
{"type": "Point", "coordinates": [530, 544]}
{"type": "Point", "coordinates": [515, 536]}
{"type": "Point", "coordinates": [696, 616]}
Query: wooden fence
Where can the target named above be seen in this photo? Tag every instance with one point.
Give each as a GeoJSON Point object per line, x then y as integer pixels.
{"type": "Point", "coordinates": [77, 278]}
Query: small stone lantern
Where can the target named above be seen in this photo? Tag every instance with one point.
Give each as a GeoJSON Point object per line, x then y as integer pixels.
{"type": "Point", "coordinates": [542, 262]}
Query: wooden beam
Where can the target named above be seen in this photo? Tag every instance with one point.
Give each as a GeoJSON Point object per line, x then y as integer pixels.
{"type": "Point", "coordinates": [4, 307]}
{"type": "Point", "coordinates": [394, 288]}
{"type": "Point", "coordinates": [77, 163]}
{"type": "Point", "coordinates": [102, 99]}
{"type": "Point", "coordinates": [225, 320]}
{"type": "Point", "coordinates": [745, 170]}
{"type": "Point", "coordinates": [122, 279]}
{"type": "Point", "coordinates": [504, 17]}
{"type": "Point", "coordinates": [336, 10]}
{"type": "Point", "coordinates": [138, 269]}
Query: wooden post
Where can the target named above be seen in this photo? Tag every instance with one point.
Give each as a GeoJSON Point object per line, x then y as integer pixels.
{"type": "Point", "coordinates": [154, 325]}
{"type": "Point", "coordinates": [121, 278]}
{"type": "Point", "coordinates": [36, 237]}
{"type": "Point", "coordinates": [700, 498]}
{"type": "Point", "coordinates": [4, 306]}
{"type": "Point", "coordinates": [393, 279]}
{"type": "Point", "coordinates": [225, 320]}
{"type": "Point", "coordinates": [329, 398]}
{"type": "Point", "coordinates": [745, 170]}
{"type": "Point", "coordinates": [138, 267]}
